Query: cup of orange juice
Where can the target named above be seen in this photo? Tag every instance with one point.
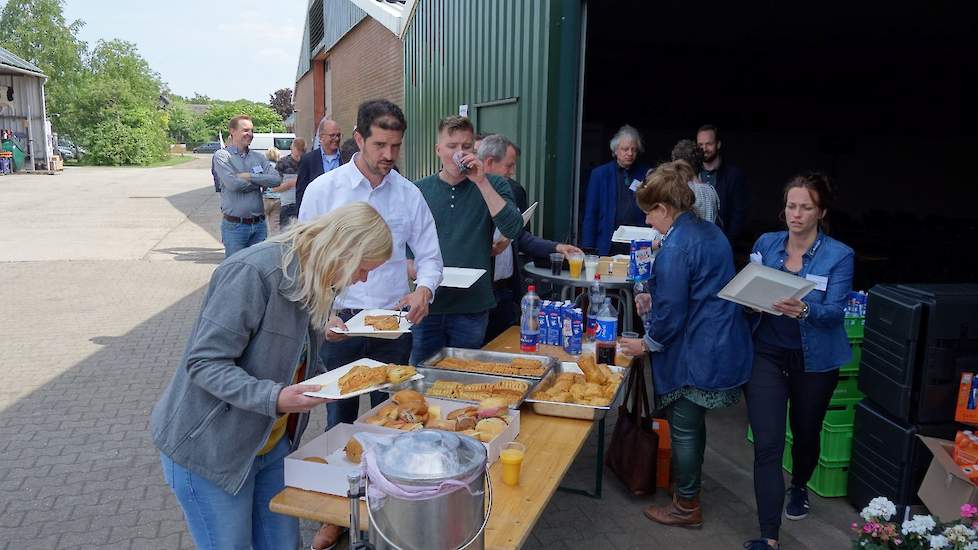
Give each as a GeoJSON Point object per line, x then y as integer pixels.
{"type": "Point", "coordinates": [512, 458]}
{"type": "Point", "coordinates": [576, 262]}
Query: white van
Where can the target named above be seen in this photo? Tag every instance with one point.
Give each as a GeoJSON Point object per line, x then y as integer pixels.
{"type": "Point", "coordinates": [264, 142]}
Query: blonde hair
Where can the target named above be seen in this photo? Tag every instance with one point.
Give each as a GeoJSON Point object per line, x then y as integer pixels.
{"type": "Point", "coordinates": [668, 185]}
{"type": "Point", "coordinates": [273, 154]}
{"type": "Point", "coordinates": [329, 251]}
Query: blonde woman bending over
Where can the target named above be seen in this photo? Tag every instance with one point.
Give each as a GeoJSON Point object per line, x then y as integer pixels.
{"type": "Point", "coordinates": [234, 408]}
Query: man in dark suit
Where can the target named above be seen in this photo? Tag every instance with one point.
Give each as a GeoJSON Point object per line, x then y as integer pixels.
{"type": "Point", "coordinates": [321, 160]}
{"type": "Point", "coordinates": [499, 156]}
{"type": "Point", "coordinates": [610, 197]}
{"type": "Point", "coordinates": [727, 179]}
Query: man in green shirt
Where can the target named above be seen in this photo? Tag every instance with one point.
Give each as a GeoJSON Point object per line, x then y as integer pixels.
{"type": "Point", "coordinates": [467, 206]}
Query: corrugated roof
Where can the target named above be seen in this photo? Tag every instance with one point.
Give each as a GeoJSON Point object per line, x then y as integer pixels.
{"type": "Point", "coordinates": [11, 60]}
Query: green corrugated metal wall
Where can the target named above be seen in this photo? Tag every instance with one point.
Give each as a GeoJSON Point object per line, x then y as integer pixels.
{"type": "Point", "coordinates": [476, 51]}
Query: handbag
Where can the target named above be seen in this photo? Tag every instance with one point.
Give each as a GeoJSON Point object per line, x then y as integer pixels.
{"type": "Point", "coordinates": [632, 453]}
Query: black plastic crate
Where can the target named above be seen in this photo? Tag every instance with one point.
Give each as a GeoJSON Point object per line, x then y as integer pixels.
{"type": "Point", "coordinates": [918, 340]}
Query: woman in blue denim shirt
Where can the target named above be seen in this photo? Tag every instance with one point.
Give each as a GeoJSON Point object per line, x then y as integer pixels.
{"type": "Point", "coordinates": [797, 355]}
{"type": "Point", "coordinates": [699, 344]}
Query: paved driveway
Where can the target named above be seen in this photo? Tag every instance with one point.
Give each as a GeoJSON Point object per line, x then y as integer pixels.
{"type": "Point", "coordinates": [101, 276]}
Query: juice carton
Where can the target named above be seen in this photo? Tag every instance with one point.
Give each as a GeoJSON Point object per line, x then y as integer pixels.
{"type": "Point", "coordinates": [967, 408]}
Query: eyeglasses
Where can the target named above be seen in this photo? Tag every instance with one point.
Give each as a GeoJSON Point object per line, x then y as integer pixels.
{"type": "Point", "coordinates": [331, 135]}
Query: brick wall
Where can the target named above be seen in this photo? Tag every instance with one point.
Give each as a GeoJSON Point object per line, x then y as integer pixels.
{"type": "Point", "coordinates": [366, 64]}
{"type": "Point", "coordinates": [305, 124]}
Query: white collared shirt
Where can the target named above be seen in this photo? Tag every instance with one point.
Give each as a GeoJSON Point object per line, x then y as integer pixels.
{"type": "Point", "coordinates": [403, 207]}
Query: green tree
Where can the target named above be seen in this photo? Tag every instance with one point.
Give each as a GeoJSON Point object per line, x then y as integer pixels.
{"type": "Point", "coordinates": [37, 31]}
{"type": "Point", "coordinates": [187, 126]}
{"type": "Point", "coordinates": [262, 116]}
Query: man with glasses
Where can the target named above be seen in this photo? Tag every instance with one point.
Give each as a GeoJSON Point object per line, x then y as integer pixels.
{"type": "Point", "coordinates": [320, 160]}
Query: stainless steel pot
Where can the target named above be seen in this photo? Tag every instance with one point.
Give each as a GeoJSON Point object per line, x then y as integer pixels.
{"type": "Point", "coordinates": [451, 520]}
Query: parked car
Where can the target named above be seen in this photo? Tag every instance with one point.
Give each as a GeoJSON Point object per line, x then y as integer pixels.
{"type": "Point", "coordinates": [265, 141]}
{"type": "Point", "coordinates": [64, 142]}
{"type": "Point", "coordinates": [66, 153]}
{"type": "Point", "coordinates": [209, 147]}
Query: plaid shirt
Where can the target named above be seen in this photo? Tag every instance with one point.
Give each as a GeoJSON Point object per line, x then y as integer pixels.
{"type": "Point", "coordinates": [707, 205]}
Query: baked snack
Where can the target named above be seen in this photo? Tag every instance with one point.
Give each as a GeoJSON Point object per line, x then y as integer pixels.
{"type": "Point", "coordinates": [491, 406]}
{"type": "Point", "coordinates": [404, 397]}
{"type": "Point", "coordinates": [490, 428]}
{"type": "Point", "coordinates": [465, 423]}
{"type": "Point", "coordinates": [590, 369]}
{"type": "Point", "coordinates": [377, 420]}
{"type": "Point", "coordinates": [446, 425]}
{"type": "Point", "coordinates": [382, 322]}
{"type": "Point", "coordinates": [412, 427]}
{"type": "Point", "coordinates": [414, 411]}
{"type": "Point", "coordinates": [444, 388]}
{"type": "Point", "coordinates": [399, 373]}
{"type": "Point", "coordinates": [465, 411]}
{"type": "Point", "coordinates": [316, 459]}
{"type": "Point", "coordinates": [354, 450]}
{"type": "Point", "coordinates": [360, 377]}
{"type": "Point", "coordinates": [388, 411]}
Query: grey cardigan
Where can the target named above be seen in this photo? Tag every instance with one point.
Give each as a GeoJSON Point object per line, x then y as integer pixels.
{"type": "Point", "coordinates": [219, 408]}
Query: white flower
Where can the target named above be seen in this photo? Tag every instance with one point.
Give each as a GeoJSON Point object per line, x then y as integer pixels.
{"type": "Point", "coordinates": [878, 508]}
{"type": "Point", "coordinates": [937, 542]}
{"type": "Point", "coordinates": [919, 525]}
{"type": "Point", "coordinates": [959, 534]}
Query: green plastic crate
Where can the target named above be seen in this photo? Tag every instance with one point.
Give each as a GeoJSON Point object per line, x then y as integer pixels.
{"type": "Point", "coordinates": [855, 327]}
{"type": "Point", "coordinates": [846, 389]}
{"type": "Point", "coordinates": [836, 436]}
{"type": "Point", "coordinates": [786, 460]}
{"type": "Point", "coordinates": [830, 478]}
{"type": "Point", "coordinates": [857, 354]}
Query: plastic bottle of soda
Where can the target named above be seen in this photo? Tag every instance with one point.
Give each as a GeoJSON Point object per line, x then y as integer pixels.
{"type": "Point", "coordinates": [606, 338]}
{"type": "Point", "coordinates": [530, 320]}
{"type": "Point", "coordinates": [595, 302]}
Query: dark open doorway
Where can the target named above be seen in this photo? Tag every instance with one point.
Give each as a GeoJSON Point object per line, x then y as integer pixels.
{"type": "Point", "coordinates": [881, 97]}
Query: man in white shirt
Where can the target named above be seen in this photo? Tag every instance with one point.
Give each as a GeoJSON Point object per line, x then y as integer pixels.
{"type": "Point", "coordinates": [370, 178]}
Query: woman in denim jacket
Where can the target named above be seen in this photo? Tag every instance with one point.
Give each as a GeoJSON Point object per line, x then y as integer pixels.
{"type": "Point", "coordinates": [699, 343]}
{"type": "Point", "coordinates": [234, 408]}
{"type": "Point", "coordinates": [797, 355]}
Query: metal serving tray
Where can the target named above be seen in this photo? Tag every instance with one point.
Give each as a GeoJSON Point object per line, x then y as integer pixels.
{"type": "Point", "coordinates": [549, 363]}
{"type": "Point", "coordinates": [573, 410]}
{"type": "Point", "coordinates": [422, 385]}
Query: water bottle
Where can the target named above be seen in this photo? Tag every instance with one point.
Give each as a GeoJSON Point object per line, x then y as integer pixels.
{"type": "Point", "coordinates": [606, 338]}
{"type": "Point", "coordinates": [595, 301]}
{"type": "Point", "coordinates": [530, 321]}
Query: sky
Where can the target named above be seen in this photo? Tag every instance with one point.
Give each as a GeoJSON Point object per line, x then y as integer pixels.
{"type": "Point", "coordinates": [222, 49]}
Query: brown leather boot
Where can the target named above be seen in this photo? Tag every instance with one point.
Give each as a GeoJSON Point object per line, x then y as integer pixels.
{"type": "Point", "coordinates": [682, 513]}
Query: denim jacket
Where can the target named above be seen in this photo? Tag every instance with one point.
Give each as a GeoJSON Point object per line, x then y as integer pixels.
{"type": "Point", "coordinates": [823, 337]}
{"type": "Point", "coordinates": [696, 338]}
{"type": "Point", "coordinates": [220, 406]}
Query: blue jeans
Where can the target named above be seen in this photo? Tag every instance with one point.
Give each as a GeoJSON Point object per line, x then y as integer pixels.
{"type": "Point", "coordinates": [455, 330]}
{"type": "Point", "coordinates": [336, 354]}
{"type": "Point", "coordinates": [218, 520]}
{"type": "Point", "coordinates": [238, 236]}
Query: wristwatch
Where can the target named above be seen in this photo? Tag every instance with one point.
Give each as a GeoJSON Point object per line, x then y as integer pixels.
{"type": "Point", "coordinates": [804, 312]}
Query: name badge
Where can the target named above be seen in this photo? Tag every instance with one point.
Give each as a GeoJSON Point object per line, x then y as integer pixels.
{"type": "Point", "coordinates": [756, 258]}
{"type": "Point", "coordinates": [257, 169]}
{"type": "Point", "coordinates": [634, 186]}
{"type": "Point", "coordinates": [820, 282]}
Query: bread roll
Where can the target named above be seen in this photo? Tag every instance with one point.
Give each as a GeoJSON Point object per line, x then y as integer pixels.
{"type": "Point", "coordinates": [465, 423]}
{"type": "Point", "coordinates": [489, 428]}
{"type": "Point", "coordinates": [413, 412]}
{"type": "Point", "coordinates": [407, 396]}
{"type": "Point", "coordinates": [446, 425]}
{"type": "Point", "coordinates": [465, 411]}
{"type": "Point", "coordinates": [354, 450]}
{"type": "Point", "coordinates": [377, 421]}
{"type": "Point", "coordinates": [388, 411]}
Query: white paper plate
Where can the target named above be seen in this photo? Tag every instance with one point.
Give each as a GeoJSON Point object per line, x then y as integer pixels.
{"type": "Point", "coordinates": [628, 233]}
{"type": "Point", "coordinates": [356, 327]}
{"type": "Point", "coordinates": [759, 286]}
{"type": "Point", "coordinates": [331, 381]}
{"type": "Point", "coordinates": [460, 277]}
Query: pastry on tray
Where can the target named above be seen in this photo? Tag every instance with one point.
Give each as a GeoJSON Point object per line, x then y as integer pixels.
{"type": "Point", "coordinates": [569, 387]}
{"type": "Point", "coordinates": [360, 377]}
{"type": "Point", "coordinates": [399, 373]}
{"type": "Point", "coordinates": [354, 450]}
{"type": "Point", "coordinates": [383, 322]}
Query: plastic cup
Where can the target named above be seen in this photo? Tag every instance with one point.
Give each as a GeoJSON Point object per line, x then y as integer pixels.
{"type": "Point", "coordinates": [556, 263]}
{"type": "Point", "coordinates": [627, 334]}
{"type": "Point", "coordinates": [512, 459]}
{"type": "Point", "coordinates": [590, 267]}
{"type": "Point", "coordinates": [576, 262]}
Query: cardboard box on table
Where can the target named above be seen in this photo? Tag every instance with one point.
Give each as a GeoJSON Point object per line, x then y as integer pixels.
{"type": "Point", "coordinates": [946, 486]}
{"type": "Point", "coordinates": [325, 478]}
{"type": "Point", "coordinates": [493, 448]}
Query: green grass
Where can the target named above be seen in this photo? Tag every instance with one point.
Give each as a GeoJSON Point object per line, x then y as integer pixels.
{"type": "Point", "coordinates": [172, 161]}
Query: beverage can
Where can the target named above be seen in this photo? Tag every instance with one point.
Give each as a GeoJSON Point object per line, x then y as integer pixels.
{"type": "Point", "coordinates": [640, 261]}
